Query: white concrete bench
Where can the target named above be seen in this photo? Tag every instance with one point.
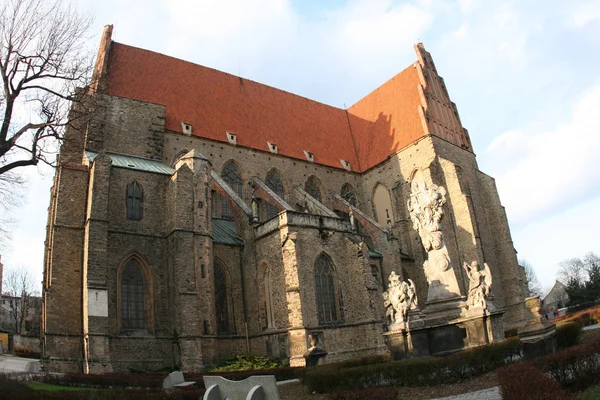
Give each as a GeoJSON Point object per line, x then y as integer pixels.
{"type": "Point", "coordinates": [175, 380]}
{"type": "Point", "coordinates": [252, 388]}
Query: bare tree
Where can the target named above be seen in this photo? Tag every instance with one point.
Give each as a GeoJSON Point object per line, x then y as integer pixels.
{"type": "Point", "coordinates": [42, 63]}
{"type": "Point", "coordinates": [20, 292]}
{"type": "Point", "coordinates": [533, 283]}
{"type": "Point", "coordinates": [572, 271]}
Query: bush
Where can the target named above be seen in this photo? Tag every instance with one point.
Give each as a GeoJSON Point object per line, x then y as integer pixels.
{"type": "Point", "coordinates": [576, 368]}
{"type": "Point", "coordinates": [246, 363]}
{"type": "Point", "coordinates": [413, 372]}
{"type": "Point", "coordinates": [567, 334]}
{"type": "Point", "coordinates": [15, 390]}
{"type": "Point", "coordinates": [106, 381]}
{"type": "Point", "coordinates": [368, 360]}
{"type": "Point", "coordinates": [154, 379]}
{"type": "Point", "coordinates": [386, 393]}
{"type": "Point", "coordinates": [525, 382]}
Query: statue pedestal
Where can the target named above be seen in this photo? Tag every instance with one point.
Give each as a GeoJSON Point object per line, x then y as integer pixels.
{"type": "Point", "coordinates": [444, 330]}
{"type": "Point", "coordinates": [538, 337]}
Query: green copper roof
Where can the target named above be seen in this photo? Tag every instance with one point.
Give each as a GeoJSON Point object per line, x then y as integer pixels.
{"type": "Point", "coordinates": [224, 232]}
{"type": "Point", "coordinates": [136, 163]}
{"type": "Point", "coordinates": [375, 253]}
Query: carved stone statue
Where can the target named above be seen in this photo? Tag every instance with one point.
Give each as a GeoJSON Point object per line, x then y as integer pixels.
{"type": "Point", "coordinates": [399, 299]}
{"type": "Point", "coordinates": [480, 284]}
{"type": "Point", "coordinates": [425, 208]}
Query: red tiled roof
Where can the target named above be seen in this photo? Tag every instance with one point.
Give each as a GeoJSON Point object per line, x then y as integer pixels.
{"type": "Point", "coordinates": [387, 119]}
{"type": "Point", "coordinates": [215, 102]}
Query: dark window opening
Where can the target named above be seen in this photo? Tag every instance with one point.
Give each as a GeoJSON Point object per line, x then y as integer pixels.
{"type": "Point", "coordinates": [133, 312]}
{"type": "Point", "coordinates": [221, 300]}
{"type": "Point", "coordinates": [273, 181]}
{"type": "Point", "coordinates": [134, 201]}
{"type": "Point", "coordinates": [232, 176]}
{"type": "Point", "coordinates": [348, 194]}
{"type": "Point", "coordinates": [327, 304]}
{"type": "Point", "coordinates": [312, 187]}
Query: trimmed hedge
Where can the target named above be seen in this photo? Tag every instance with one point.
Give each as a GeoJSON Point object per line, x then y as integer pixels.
{"type": "Point", "coordinates": [576, 368]}
{"type": "Point", "coordinates": [525, 382]}
{"type": "Point", "coordinates": [568, 334]}
{"type": "Point", "coordinates": [17, 390]}
{"type": "Point", "coordinates": [413, 372]}
{"type": "Point", "coordinates": [154, 379]}
{"type": "Point", "coordinates": [386, 393]}
{"type": "Point", "coordinates": [553, 376]}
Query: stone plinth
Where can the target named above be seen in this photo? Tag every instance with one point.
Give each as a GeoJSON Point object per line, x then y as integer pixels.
{"type": "Point", "coordinates": [444, 331]}
{"type": "Point", "coordinates": [538, 337]}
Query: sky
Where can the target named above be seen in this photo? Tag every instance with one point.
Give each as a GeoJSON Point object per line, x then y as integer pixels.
{"type": "Point", "coordinates": [524, 75]}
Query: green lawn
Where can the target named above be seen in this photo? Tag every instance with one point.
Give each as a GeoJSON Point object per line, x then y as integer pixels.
{"type": "Point", "coordinates": [54, 388]}
{"type": "Point", "coordinates": [592, 393]}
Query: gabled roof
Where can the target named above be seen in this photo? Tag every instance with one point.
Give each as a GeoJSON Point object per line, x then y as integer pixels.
{"type": "Point", "coordinates": [393, 116]}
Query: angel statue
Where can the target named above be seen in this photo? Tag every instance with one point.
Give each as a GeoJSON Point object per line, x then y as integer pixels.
{"type": "Point", "coordinates": [480, 284]}
{"type": "Point", "coordinates": [399, 299]}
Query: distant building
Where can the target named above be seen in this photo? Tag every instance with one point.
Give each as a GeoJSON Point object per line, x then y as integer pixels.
{"type": "Point", "coordinates": [555, 299]}
{"type": "Point", "coordinates": [12, 320]}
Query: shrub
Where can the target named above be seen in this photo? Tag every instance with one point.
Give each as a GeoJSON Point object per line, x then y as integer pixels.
{"type": "Point", "coordinates": [246, 363]}
{"type": "Point", "coordinates": [568, 334]}
{"type": "Point", "coordinates": [368, 360]}
{"type": "Point", "coordinates": [386, 393]}
{"type": "Point", "coordinates": [525, 382]}
{"type": "Point", "coordinates": [413, 372]}
{"type": "Point", "coordinates": [154, 379]}
{"type": "Point", "coordinates": [575, 368]}
{"type": "Point", "coordinates": [108, 380]}
{"type": "Point", "coordinates": [16, 390]}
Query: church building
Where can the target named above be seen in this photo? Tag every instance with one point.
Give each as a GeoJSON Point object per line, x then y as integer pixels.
{"type": "Point", "coordinates": [196, 215]}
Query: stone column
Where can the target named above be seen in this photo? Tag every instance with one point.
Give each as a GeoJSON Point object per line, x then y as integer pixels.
{"type": "Point", "coordinates": [297, 333]}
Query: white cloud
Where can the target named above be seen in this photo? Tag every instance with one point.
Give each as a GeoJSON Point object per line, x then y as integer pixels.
{"type": "Point", "coordinates": [583, 14]}
{"type": "Point", "coordinates": [539, 171]}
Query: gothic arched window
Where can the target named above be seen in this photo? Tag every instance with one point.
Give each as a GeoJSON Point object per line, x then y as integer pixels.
{"type": "Point", "coordinates": [273, 181]}
{"type": "Point", "coordinates": [313, 187]}
{"type": "Point", "coordinates": [327, 303]}
{"type": "Point", "coordinates": [134, 201]}
{"type": "Point", "coordinates": [133, 293]}
{"type": "Point", "coordinates": [382, 205]}
{"type": "Point", "coordinates": [221, 299]}
{"type": "Point", "coordinates": [347, 194]}
{"type": "Point", "coordinates": [232, 176]}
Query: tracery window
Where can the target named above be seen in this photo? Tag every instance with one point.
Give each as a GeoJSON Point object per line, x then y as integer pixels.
{"type": "Point", "coordinates": [347, 194]}
{"type": "Point", "coordinates": [232, 176]}
{"type": "Point", "coordinates": [133, 292]}
{"type": "Point", "coordinates": [134, 201]}
{"type": "Point", "coordinates": [313, 187]}
{"type": "Point", "coordinates": [273, 181]}
{"type": "Point", "coordinates": [221, 299]}
{"type": "Point", "coordinates": [327, 304]}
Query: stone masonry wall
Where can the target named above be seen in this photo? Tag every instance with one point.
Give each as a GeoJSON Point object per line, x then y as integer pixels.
{"type": "Point", "coordinates": [127, 126]}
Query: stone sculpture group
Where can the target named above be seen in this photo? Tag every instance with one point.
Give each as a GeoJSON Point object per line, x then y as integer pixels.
{"type": "Point", "coordinates": [426, 212]}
